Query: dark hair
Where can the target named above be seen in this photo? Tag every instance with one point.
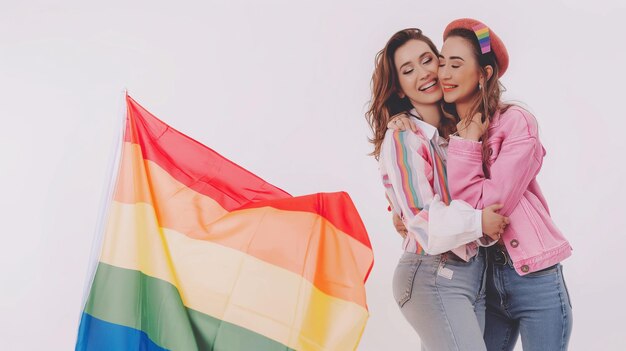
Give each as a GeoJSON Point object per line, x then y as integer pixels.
{"type": "Point", "coordinates": [385, 85]}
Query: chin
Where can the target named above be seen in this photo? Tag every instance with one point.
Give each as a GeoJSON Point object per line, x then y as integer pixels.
{"type": "Point", "coordinates": [449, 99]}
{"type": "Point", "coordinates": [431, 99]}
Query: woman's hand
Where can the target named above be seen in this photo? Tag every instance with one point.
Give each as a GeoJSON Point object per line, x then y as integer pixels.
{"type": "Point", "coordinates": [474, 130]}
{"type": "Point", "coordinates": [400, 228]}
{"type": "Point", "coordinates": [401, 121]}
{"type": "Point", "coordinates": [493, 222]}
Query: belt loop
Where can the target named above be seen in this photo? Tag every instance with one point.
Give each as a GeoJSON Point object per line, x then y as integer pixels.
{"type": "Point", "coordinates": [499, 256]}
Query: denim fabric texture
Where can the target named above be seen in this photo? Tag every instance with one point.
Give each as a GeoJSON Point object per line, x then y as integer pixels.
{"type": "Point", "coordinates": [535, 306]}
{"type": "Point", "coordinates": [443, 298]}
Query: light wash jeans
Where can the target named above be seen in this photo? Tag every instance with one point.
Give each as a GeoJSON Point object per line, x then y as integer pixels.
{"type": "Point", "coordinates": [536, 305]}
{"type": "Point", "coordinates": [443, 299]}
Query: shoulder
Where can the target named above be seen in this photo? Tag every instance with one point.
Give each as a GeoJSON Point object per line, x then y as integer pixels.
{"type": "Point", "coordinates": [405, 137]}
{"type": "Point", "coordinates": [400, 144]}
{"type": "Point", "coordinates": [517, 121]}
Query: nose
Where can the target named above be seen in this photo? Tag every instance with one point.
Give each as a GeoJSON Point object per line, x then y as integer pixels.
{"type": "Point", "coordinates": [426, 75]}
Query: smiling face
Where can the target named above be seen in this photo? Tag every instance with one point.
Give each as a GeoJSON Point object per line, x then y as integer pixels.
{"type": "Point", "coordinates": [416, 66]}
{"type": "Point", "coordinates": [459, 72]}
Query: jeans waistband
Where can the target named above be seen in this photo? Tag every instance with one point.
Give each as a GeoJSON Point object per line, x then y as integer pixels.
{"type": "Point", "coordinates": [498, 256]}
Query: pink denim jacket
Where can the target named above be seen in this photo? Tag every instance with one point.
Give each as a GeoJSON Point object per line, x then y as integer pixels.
{"type": "Point", "coordinates": [532, 239]}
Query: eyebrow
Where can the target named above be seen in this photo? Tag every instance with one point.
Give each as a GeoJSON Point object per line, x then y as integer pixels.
{"type": "Point", "coordinates": [453, 58]}
{"type": "Point", "coordinates": [422, 55]}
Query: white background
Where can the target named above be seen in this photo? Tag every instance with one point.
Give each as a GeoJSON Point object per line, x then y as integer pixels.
{"type": "Point", "coordinates": [280, 87]}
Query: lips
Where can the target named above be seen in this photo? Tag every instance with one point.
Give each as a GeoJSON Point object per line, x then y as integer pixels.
{"type": "Point", "coordinates": [448, 87]}
{"type": "Point", "coordinates": [429, 87]}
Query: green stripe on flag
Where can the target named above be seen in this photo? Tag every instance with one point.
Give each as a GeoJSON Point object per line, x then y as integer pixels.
{"type": "Point", "coordinates": [133, 299]}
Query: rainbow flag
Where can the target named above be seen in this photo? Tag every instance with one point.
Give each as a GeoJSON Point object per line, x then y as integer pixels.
{"type": "Point", "coordinates": [200, 254]}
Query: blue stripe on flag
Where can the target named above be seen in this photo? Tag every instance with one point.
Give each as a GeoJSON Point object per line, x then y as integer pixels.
{"type": "Point", "coordinates": [97, 335]}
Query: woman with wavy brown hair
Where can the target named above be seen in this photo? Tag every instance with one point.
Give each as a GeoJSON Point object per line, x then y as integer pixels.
{"type": "Point", "coordinates": [496, 157]}
{"type": "Point", "coordinates": [438, 283]}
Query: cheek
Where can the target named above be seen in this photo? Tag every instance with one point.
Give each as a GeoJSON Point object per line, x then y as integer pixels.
{"type": "Point", "coordinates": [405, 82]}
{"type": "Point", "coordinates": [467, 77]}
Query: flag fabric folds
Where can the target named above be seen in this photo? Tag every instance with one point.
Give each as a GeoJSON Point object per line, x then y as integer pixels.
{"type": "Point", "coordinates": [200, 254]}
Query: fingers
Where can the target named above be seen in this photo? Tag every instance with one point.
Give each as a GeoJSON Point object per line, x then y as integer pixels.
{"type": "Point", "coordinates": [402, 233]}
{"type": "Point", "coordinates": [401, 122]}
{"type": "Point", "coordinates": [495, 207]}
{"type": "Point", "coordinates": [393, 125]}
{"type": "Point", "coordinates": [393, 122]}
{"type": "Point", "coordinates": [503, 224]}
{"type": "Point", "coordinates": [478, 118]}
{"type": "Point", "coordinates": [396, 124]}
{"type": "Point", "coordinates": [396, 220]}
{"type": "Point", "coordinates": [497, 231]}
{"type": "Point", "coordinates": [399, 225]}
{"type": "Point", "coordinates": [474, 125]}
{"type": "Point", "coordinates": [495, 236]}
{"type": "Point", "coordinates": [496, 226]}
{"type": "Point", "coordinates": [405, 124]}
{"type": "Point", "coordinates": [401, 229]}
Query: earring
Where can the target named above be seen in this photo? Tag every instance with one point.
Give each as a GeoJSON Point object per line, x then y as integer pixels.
{"type": "Point", "coordinates": [480, 86]}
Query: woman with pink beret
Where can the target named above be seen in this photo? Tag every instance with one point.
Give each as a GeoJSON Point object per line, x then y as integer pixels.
{"type": "Point", "coordinates": [495, 157]}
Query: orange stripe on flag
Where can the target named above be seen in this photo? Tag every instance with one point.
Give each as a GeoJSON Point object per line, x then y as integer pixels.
{"type": "Point", "coordinates": [294, 240]}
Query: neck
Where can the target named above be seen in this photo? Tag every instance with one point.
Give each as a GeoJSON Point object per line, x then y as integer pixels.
{"type": "Point", "coordinates": [463, 108]}
{"type": "Point", "coordinates": [431, 114]}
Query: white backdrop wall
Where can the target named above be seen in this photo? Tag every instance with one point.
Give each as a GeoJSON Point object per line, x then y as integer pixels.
{"type": "Point", "coordinates": [280, 87]}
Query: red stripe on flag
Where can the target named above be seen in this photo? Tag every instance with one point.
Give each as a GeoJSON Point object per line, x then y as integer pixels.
{"type": "Point", "coordinates": [209, 173]}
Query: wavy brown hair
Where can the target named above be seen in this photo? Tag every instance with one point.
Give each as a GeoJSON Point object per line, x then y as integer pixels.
{"type": "Point", "coordinates": [386, 102]}
{"type": "Point", "coordinates": [487, 100]}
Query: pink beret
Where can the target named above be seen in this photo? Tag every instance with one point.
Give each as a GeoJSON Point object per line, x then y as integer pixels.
{"type": "Point", "coordinates": [497, 46]}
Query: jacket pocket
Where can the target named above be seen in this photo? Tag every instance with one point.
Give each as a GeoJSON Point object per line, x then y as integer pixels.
{"type": "Point", "coordinates": [533, 218]}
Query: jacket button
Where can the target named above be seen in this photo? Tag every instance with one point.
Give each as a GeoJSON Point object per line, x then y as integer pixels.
{"type": "Point", "coordinates": [525, 268]}
{"type": "Point", "coordinates": [514, 243]}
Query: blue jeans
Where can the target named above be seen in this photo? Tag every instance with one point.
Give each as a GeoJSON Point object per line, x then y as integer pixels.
{"type": "Point", "coordinates": [443, 298]}
{"type": "Point", "coordinates": [536, 305]}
